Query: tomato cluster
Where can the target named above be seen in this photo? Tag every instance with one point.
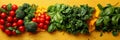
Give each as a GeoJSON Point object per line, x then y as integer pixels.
{"type": "Point", "coordinates": [42, 21]}
{"type": "Point", "coordinates": [9, 23]}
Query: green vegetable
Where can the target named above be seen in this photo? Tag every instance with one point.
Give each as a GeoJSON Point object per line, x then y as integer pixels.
{"type": "Point", "coordinates": [18, 32]}
{"type": "Point", "coordinates": [70, 19]}
{"type": "Point", "coordinates": [9, 7]}
{"type": "Point", "coordinates": [115, 33]}
{"type": "Point", "coordinates": [26, 12]}
{"type": "Point", "coordinates": [109, 19]}
{"type": "Point", "coordinates": [2, 10]}
{"type": "Point", "coordinates": [51, 28]}
{"type": "Point", "coordinates": [20, 14]}
{"type": "Point", "coordinates": [31, 26]}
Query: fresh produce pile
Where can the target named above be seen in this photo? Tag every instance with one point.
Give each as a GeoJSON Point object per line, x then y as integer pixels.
{"type": "Point", "coordinates": [109, 19]}
{"type": "Point", "coordinates": [9, 23]}
{"type": "Point", "coordinates": [72, 19]}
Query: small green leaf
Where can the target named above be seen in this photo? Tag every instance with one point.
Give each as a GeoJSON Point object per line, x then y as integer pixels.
{"type": "Point", "coordinates": [115, 33]}
{"type": "Point", "coordinates": [18, 32]}
{"type": "Point", "coordinates": [51, 28]}
{"type": "Point", "coordinates": [10, 28]}
{"type": "Point", "coordinates": [106, 20]}
{"type": "Point", "coordinates": [100, 6]}
{"type": "Point", "coordinates": [99, 21]}
{"type": "Point", "coordinates": [9, 7]}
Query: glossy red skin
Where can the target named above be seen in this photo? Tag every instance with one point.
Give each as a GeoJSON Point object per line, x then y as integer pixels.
{"type": "Point", "coordinates": [8, 24]}
{"type": "Point", "coordinates": [42, 16]}
{"type": "Point", "coordinates": [21, 28]}
{"type": "Point", "coordinates": [15, 19]}
{"type": "Point", "coordinates": [8, 32]}
{"type": "Point", "coordinates": [34, 19]}
{"type": "Point", "coordinates": [40, 25]}
{"type": "Point", "coordinates": [14, 24]}
{"type": "Point", "coordinates": [13, 32]}
{"type": "Point", "coordinates": [12, 13]}
{"type": "Point", "coordinates": [20, 22]}
{"type": "Point", "coordinates": [2, 21]}
{"type": "Point", "coordinates": [42, 20]}
{"type": "Point", "coordinates": [45, 27]}
{"type": "Point", "coordinates": [4, 6]}
{"type": "Point", "coordinates": [9, 19]}
{"type": "Point", "coordinates": [14, 7]}
{"type": "Point", "coordinates": [2, 27]}
{"type": "Point", "coordinates": [47, 22]}
{"type": "Point", "coordinates": [38, 19]}
{"type": "Point", "coordinates": [47, 18]}
{"type": "Point", "coordinates": [3, 15]}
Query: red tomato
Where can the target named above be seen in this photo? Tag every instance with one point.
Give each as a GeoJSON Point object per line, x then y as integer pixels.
{"type": "Point", "coordinates": [38, 19]}
{"type": "Point", "coordinates": [42, 16]}
{"type": "Point", "coordinates": [47, 22]}
{"type": "Point", "coordinates": [8, 24]}
{"type": "Point", "coordinates": [20, 22]}
{"type": "Point", "coordinates": [14, 7]}
{"type": "Point", "coordinates": [22, 29]}
{"type": "Point", "coordinates": [8, 32]}
{"type": "Point", "coordinates": [14, 24]}
{"type": "Point", "coordinates": [4, 6]}
{"type": "Point", "coordinates": [2, 21]}
{"type": "Point", "coordinates": [2, 27]}
{"type": "Point", "coordinates": [12, 13]}
{"type": "Point", "coordinates": [40, 25]}
{"type": "Point", "coordinates": [34, 19]}
{"type": "Point", "coordinates": [15, 19]}
{"type": "Point", "coordinates": [9, 19]}
{"type": "Point", "coordinates": [14, 32]}
{"type": "Point", "coordinates": [3, 15]}
{"type": "Point", "coordinates": [42, 20]}
{"type": "Point", "coordinates": [47, 18]}
{"type": "Point", "coordinates": [45, 27]}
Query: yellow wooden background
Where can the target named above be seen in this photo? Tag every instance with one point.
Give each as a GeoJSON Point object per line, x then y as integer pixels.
{"type": "Point", "coordinates": [60, 35]}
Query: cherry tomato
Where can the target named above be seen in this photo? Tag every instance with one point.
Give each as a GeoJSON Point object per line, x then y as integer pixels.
{"type": "Point", "coordinates": [15, 19]}
{"type": "Point", "coordinates": [9, 19]}
{"type": "Point", "coordinates": [8, 24]}
{"type": "Point", "coordinates": [47, 22]}
{"type": "Point", "coordinates": [45, 27]}
{"type": "Point", "coordinates": [42, 16]}
{"type": "Point", "coordinates": [22, 29]}
{"type": "Point", "coordinates": [42, 20]}
{"type": "Point", "coordinates": [8, 32]}
{"type": "Point", "coordinates": [14, 32]}
{"type": "Point", "coordinates": [47, 18]}
{"type": "Point", "coordinates": [38, 19]}
{"type": "Point", "coordinates": [14, 7]}
{"type": "Point", "coordinates": [3, 15]}
{"type": "Point", "coordinates": [14, 24]}
{"type": "Point", "coordinates": [4, 6]}
{"type": "Point", "coordinates": [20, 22]}
{"type": "Point", "coordinates": [40, 25]}
{"type": "Point", "coordinates": [12, 13]}
{"type": "Point", "coordinates": [34, 19]}
{"type": "Point", "coordinates": [2, 21]}
{"type": "Point", "coordinates": [2, 27]}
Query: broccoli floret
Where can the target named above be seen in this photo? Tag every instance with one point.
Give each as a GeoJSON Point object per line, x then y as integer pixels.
{"type": "Point", "coordinates": [31, 26]}
{"type": "Point", "coordinates": [20, 14]}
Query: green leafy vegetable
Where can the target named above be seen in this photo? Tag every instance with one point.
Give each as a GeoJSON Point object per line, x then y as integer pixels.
{"type": "Point", "coordinates": [109, 19]}
{"type": "Point", "coordinates": [70, 19]}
